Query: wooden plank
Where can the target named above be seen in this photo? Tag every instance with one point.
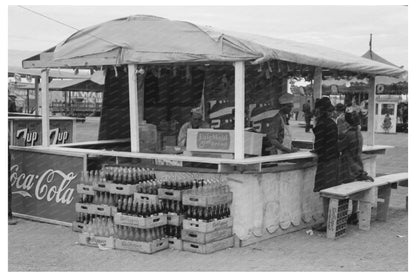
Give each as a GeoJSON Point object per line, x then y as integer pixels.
{"type": "Point", "coordinates": [345, 190]}
{"type": "Point", "coordinates": [45, 107]}
{"type": "Point", "coordinates": [384, 193]}
{"type": "Point", "coordinates": [239, 100]}
{"type": "Point", "coordinates": [371, 111]}
{"type": "Point", "coordinates": [134, 109]}
{"type": "Point", "coordinates": [331, 227]}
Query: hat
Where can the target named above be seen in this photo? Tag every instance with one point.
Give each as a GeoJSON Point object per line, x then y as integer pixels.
{"type": "Point", "coordinates": [324, 104]}
{"type": "Point", "coordinates": [339, 107]}
{"type": "Point", "coordinates": [196, 111]}
{"type": "Point", "coordinates": [286, 98]}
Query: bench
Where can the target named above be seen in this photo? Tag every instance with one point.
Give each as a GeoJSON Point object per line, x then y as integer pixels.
{"type": "Point", "coordinates": [337, 198]}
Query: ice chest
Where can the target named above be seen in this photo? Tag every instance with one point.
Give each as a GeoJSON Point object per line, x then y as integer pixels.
{"type": "Point", "coordinates": [210, 140]}
{"type": "Point", "coordinates": [202, 237]}
{"type": "Point", "coordinates": [208, 247]}
{"type": "Point", "coordinates": [141, 246]}
{"type": "Point", "coordinates": [200, 226]}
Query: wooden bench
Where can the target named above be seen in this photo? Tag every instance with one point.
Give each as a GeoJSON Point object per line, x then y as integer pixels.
{"type": "Point", "coordinates": [336, 199]}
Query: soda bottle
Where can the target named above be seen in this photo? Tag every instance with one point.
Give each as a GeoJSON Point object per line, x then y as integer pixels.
{"type": "Point", "coordinates": [142, 235]}
{"type": "Point", "coordinates": [124, 207]}
{"type": "Point", "coordinates": [147, 212]}
{"type": "Point", "coordinates": [148, 235]}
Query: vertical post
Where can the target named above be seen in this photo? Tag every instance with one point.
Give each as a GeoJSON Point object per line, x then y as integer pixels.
{"type": "Point", "coordinates": [45, 107]}
{"type": "Point", "coordinates": [239, 96]}
{"type": "Point", "coordinates": [140, 88]}
{"type": "Point", "coordinates": [133, 106]}
{"type": "Point", "coordinates": [37, 79]}
{"type": "Point", "coordinates": [27, 101]}
{"type": "Point", "coordinates": [371, 111]}
{"type": "Point", "coordinates": [317, 85]}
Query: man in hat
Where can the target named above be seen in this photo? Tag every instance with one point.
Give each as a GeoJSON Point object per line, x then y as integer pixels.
{"type": "Point", "coordinates": [195, 123]}
{"type": "Point", "coordinates": [278, 138]}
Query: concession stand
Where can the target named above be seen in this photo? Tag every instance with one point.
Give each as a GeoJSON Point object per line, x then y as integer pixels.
{"type": "Point", "coordinates": [155, 71]}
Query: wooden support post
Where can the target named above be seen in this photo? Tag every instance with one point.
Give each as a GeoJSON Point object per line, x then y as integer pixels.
{"type": "Point", "coordinates": [140, 88]}
{"type": "Point", "coordinates": [317, 85]}
{"type": "Point", "coordinates": [239, 96]}
{"type": "Point", "coordinates": [45, 107]}
{"type": "Point", "coordinates": [27, 101]}
{"type": "Point", "coordinates": [371, 111]}
{"type": "Point", "coordinates": [37, 79]}
{"type": "Point", "coordinates": [331, 208]}
{"type": "Point", "coordinates": [134, 109]}
{"type": "Point", "coordinates": [384, 193]}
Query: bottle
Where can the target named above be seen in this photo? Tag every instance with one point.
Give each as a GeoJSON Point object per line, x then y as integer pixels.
{"type": "Point", "coordinates": [119, 205]}
{"type": "Point", "coordinates": [124, 207]}
{"type": "Point", "coordinates": [129, 206]}
{"type": "Point", "coordinates": [136, 234]}
{"type": "Point", "coordinates": [142, 235]}
{"type": "Point", "coordinates": [148, 235]}
{"type": "Point", "coordinates": [116, 230]}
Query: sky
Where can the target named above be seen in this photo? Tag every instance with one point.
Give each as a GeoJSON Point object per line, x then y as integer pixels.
{"type": "Point", "coordinates": [340, 27]}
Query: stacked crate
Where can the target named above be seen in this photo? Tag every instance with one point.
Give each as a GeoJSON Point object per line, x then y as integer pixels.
{"type": "Point", "coordinates": [337, 218]}
{"type": "Point", "coordinates": [170, 194]}
{"type": "Point", "coordinates": [207, 226]}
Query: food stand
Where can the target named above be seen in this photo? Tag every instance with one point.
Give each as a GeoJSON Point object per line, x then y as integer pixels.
{"type": "Point", "coordinates": [272, 195]}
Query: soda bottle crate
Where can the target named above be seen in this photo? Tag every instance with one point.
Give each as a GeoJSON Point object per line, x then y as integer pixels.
{"type": "Point", "coordinates": [203, 238]}
{"type": "Point", "coordinates": [171, 194]}
{"type": "Point", "coordinates": [207, 227]}
{"type": "Point", "coordinates": [141, 246]}
{"type": "Point", "coordinates": [85, 189]}
{"type": "Point", "coordinates": [95, 241]}
{"type": "Point", "coordinates": [77, 226]}
{"type": "Point", "coordinates": [175, 243]}
{"type": "Point", "coordinates": [102, 186]}
{"type": "Point", "coordinates": [95, 209]}
{"type": "Point", "coordinates": [210, 247]}
{"type": "Point", "coordinates": [140, 197]}
{"type": "Point", "coordinates": [207, 200]}
{"type": "Point", "coordinates": [122, 189]}
{"type": "Point", "coordinates": [175, 219]}
{"type": "Point", "coordinates": [140, 222]}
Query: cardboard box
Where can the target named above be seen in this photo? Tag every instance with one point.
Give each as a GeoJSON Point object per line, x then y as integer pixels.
{"type": "Point", "coordinates": [140, 197]}
{"type": "Point", "coordinates": [202, 237]}
{"type": "Point", "coordinates": [208, 247]}
{"type": "Point", "coordinates": [175, 243]}
{"type": "Point", "coordinates": [122, 189]}
{"type": "Point", "coordinates": [206, 200]}
{"type": "Point", "coordinates": [141, 246]}
{"type": "Point", "coordinates": [85, 189]}
{"type": "Point", "coordinates": [140, 222]}
{"type": "Point", "coordinates": [175, 219]}
{"type": "Point", "coordinates": [207, 227]}
{"type": "Point", "coordinates": [171, 194]}
{"type": "Point", "coordinates": [85, 239]}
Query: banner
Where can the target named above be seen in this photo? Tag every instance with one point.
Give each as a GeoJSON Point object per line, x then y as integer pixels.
{"type": "Point", "coordinates": [43, 185]}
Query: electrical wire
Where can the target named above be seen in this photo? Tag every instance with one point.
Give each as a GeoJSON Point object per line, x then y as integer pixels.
{"type": "Point", "coordinates": [64, 24]}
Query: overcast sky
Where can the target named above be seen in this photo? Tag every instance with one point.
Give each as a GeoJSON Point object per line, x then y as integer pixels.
{"type": "Point", "coordinates": [344, 28]}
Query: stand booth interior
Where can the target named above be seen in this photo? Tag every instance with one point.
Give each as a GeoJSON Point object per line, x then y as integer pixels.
{"type": "Point", "coordinates": [155, 71]}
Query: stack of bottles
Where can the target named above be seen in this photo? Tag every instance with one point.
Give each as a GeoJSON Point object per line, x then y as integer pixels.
{"type": "Point", "coordinates": [140, 208]}
{"type": "Point", "coordinates": [101, 226]}
{"type": "Point", "coordinates": [126, 174]}
{"type": "Point", "coordinates": [138, 234]}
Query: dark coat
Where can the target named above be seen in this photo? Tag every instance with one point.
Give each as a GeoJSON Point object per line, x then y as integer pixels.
{"type": "Point", "coordinates": [326, 147]}
{"type": "Point", "coordinates": [351, 164]}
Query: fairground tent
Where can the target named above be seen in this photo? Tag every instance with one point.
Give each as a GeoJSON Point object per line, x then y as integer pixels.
{"type": "Point", "coordinates": [143, 39]}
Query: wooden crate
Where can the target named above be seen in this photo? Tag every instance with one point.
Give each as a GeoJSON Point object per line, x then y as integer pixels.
{"type": "Point", "coordinates": [206, 227]}
{"type": "Point", "coordinates": [140, 197]}
{"type": "Point", "coordinates": [206, 200]}
{"type": "Point", "coordinates": [77, 226]}
{"type": "Point", "coordinates": [202, 237]}
{"type": "Point", "coordinates": [85, 189]}
{"type": "Point", "coordinates": [175, 219]}
{"type": "Point", "coordinates": [140, 222]}
{"type": "Point", "coordinates": [102, 186]}
{"type": "Point", "coordinates": [208, 247]}
{"type": "Point", "coordinates": [85, 239]}
{"type": "Point", "coordinates": [104, 210]}
{"type": "Point", "coordinates": [175, 243]}
{"type": "Point", "coordinates": [171, 194]}
{"type": "Point", "coordinates": [122, 189]}
{"type": "Point", "coordinates": [141, 246]}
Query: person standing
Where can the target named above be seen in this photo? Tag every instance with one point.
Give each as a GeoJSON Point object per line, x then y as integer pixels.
{"type": "Point", "coordinates": [278, 139]}
{"type": "Point", "coordinates": [195, 123]}
{"type": "Point", "coordinates": [306, 108]}
{"type": "Point", "coordinates": [340, 120]}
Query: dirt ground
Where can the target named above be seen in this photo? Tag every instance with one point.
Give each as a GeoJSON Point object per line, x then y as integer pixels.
{"type": "Point", "coordinates": [35, 246]}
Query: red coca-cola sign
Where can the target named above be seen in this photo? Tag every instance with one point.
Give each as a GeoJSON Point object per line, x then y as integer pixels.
{"type": "Point", "coordinates": [44, 184]}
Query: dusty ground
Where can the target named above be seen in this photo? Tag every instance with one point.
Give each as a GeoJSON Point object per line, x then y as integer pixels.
{"type": "Point", "coordinates": [37, 246]}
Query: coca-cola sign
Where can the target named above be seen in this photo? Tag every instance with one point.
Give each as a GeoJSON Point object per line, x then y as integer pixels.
{"type": "Point", "coordinates": [44, 185]}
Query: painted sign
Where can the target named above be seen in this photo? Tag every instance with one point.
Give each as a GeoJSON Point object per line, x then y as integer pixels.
{"type": "Point", "coordinates": [44, 185]}
{"type": "Point", "coordinates": [386, 117]}
{"type": "Point", "coordinates": [213, 140]}
{"type": "Point", "coordinates": [28, 132]}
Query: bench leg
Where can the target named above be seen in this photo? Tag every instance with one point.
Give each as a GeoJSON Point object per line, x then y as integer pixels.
{"type": "Point", "coordinates": [332, 215]}
{"type": "Point", "coordinates": [365, 216]}
{"type": "Point", "coordinates": [384, 193]}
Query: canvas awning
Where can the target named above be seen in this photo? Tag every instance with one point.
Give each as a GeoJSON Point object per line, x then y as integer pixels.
{"type": "Point", "coordinates": [69, 85]}
{"type": "Point", "coordinates": [143, 39]}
